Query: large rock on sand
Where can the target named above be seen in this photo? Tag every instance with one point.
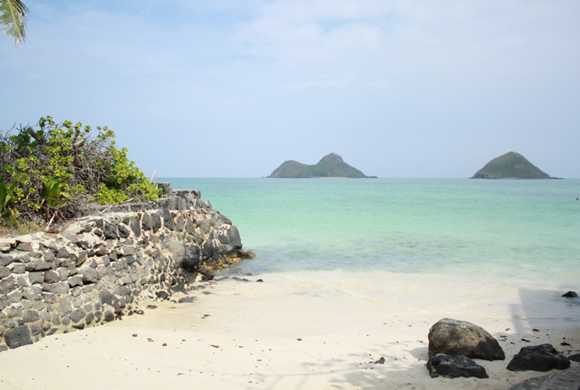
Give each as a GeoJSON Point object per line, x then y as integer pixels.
{"type": "Point", "coordinates": [454, 337]}
{"type": "Point", "coordinates": [454, 367]}
{"type": "Point", "coordinates": [538, 358]}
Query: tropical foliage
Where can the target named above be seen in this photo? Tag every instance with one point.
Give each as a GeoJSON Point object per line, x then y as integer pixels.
{"type": "Point", "coordinates": [12, 19]}
{"type": "Point", "coordinates": [60, 167]}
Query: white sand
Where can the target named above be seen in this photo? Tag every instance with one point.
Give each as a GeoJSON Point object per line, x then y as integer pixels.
{"type": "Point", "coordinates": [304, 330]}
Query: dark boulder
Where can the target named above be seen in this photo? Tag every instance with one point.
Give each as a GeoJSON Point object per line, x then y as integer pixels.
{"type": "Point", "coordinates": [542, 357]}
{"type": "Point", "coordinates": [571, 294]}
{"type": "Point", "coordinates": [454, 367]}
{"type": "Point", "coordinates": [454, 337]}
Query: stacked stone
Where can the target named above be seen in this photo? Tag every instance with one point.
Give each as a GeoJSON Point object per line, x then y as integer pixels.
{"type": "Point", "coordinates": [99, 268]}
{"type": "Point", "coordinates": [179, 200]}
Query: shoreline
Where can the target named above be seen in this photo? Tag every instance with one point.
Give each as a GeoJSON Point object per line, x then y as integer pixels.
{"type": "Point", "coordinates": [301, 330]}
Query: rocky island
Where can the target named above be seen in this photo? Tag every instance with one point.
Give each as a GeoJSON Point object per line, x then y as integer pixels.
{"type": "Point", "coordinates": [331, 165]}
{"type": "Point", "coordinates": [511, 165]}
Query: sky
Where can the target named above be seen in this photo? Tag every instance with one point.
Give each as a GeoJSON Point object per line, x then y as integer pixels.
{"type": "Point", "coordinates": [233, 88]}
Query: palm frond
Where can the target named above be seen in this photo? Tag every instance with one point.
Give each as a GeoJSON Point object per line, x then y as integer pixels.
{"type": "Point", "coordinates": [12, 19]}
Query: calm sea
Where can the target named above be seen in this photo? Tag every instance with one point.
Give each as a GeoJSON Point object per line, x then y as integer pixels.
{"type": "Point", "coordinates": [521, 231]}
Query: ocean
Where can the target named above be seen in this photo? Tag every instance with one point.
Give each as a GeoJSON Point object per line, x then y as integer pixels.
{"type": "Point", "coordinates": [525, 230]}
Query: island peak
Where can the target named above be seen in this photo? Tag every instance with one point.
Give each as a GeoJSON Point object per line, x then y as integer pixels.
{"type": "Point", "coordinates": [511, 165]}
{"type": "Point", "coordinates": [331, 165]}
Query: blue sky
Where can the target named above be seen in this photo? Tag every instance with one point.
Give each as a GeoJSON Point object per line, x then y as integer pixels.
{"type": "Point", "coordinates": [232, 88]}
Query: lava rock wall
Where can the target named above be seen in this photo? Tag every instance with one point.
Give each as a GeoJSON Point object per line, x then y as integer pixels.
{"type": "Point", "coordinates": [99, 268]}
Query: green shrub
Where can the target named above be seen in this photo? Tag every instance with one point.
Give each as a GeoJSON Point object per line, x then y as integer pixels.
{"type": "Point", "coordinates": [6, 197]}
{"type": "Point", "coordinates": [60, 167]}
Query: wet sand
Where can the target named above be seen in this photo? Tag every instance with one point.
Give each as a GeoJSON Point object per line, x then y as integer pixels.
{"type": "Point", "coordinates": [297, 331]}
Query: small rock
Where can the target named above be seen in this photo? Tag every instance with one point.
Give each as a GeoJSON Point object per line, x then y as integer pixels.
{"type": "Point", "coordinates": [571, 294]}
{"type": "Point", "coordinates": [162, 294]}
{"type": "Point", "coordinates": [454, 367]}
{"type": "Point", "coordinates": [109, 316]}
{"type": "Point", "coordinates": [538, 358]}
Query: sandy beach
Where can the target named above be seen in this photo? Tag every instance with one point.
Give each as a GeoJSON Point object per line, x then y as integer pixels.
{"type": "Point", "coordinates": [306, 330]}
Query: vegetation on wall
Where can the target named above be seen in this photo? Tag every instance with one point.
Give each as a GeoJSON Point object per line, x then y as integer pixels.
{"type": "Point", "coordinates": [52, 169]}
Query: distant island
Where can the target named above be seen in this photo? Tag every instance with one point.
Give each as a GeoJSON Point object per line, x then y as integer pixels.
{"type": "Point", "coordinates": [331, 165]}
{"type": "Point", "coordinates": [511, 165]}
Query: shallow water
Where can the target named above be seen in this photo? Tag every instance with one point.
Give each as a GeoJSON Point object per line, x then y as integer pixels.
{"type": "Point", "coordinates": [523, 231]}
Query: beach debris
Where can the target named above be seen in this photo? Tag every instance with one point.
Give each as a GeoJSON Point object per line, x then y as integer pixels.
{"type": "Point", "coordinates": [455, 337]}
{"type": "Point", "coordinates": [299, 339]}
{"type": "Point", "coordinates": [140, 312]}
{"type": "Point", "coordinates": [454, 367]}
{"type": "Point", "coordinates": [164, 345]}
{"type": "Point", "coordinates": [135, 335]}
{"type": "Point", "coordinates": [150, 339]}
{"type": "Point", "coordinates": [564, 344]}
{"type": "Point", "coordinates": [560, 380]}
{"type": "Point", "coordinates": [151, 307]}
{"type": "Point", "coordinates": [570, 294]}
{"type": "Point", "coordinates": [542, 357]}
{"type": "Point", "coordinates": [187, 299]}
{"type": "Point", "coordinates": [380, 361]}
{"type": "Point", "coordinates": [260, 281]}
{"type": "Point", "coordinates": [215, 346]}
{"type": "Point", "coordinates": [526, 340]}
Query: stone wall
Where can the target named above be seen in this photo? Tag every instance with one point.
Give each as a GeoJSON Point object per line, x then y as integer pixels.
{"type": "Point", "coordinates": [100, 267]}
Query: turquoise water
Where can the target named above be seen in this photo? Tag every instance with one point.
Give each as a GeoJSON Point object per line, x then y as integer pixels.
{"type": "Point", "coordinates": [519, 229]}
